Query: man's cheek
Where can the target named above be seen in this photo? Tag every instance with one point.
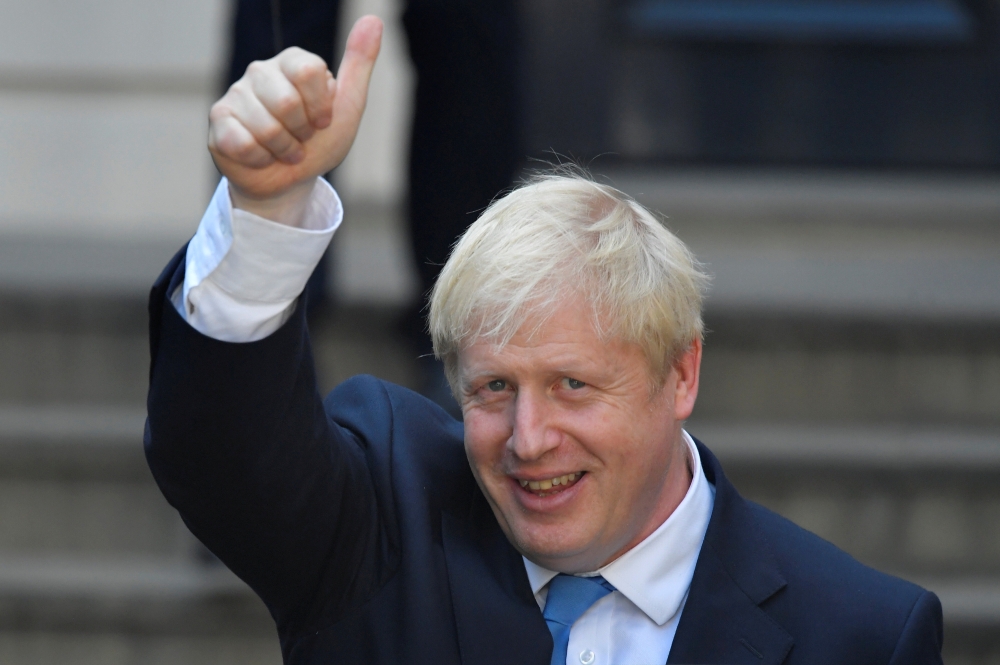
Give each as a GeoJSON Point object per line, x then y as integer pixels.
{"type": "Point", "coordinates": [484, 439]}
{"type": "Point", "coordinates": [483, 462]}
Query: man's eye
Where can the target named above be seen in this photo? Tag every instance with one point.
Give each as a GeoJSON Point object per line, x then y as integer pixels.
{"type": "Point", "coordinates": [573, 384]}
{"type": "Point", "coordinates": [496, 385]}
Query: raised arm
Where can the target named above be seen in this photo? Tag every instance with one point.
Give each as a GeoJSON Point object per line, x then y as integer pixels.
{"type": "Point", "coordinates": [286, 121]}
{"type": "Point", "coordinates": [237, 436]}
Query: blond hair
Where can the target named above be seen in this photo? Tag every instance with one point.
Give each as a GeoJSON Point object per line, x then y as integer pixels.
{"type": "Point", "coordinates": [560, 235]}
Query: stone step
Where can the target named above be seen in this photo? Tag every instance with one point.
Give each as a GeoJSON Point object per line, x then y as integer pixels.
{"type": "Point", "coordinates": [110, 611]}
{"type": "Point", "coordinates": [73, 349]}
{"type": "Point", "coordinates": [887, 448]}
{"type": "Point", "coordinates": [125, 611]}
{"type": "Point", "coordinates": [121, 648]}
{"type": "Point", "coordinates": [756, 366]}
{"type": "Point", "coordinates": [971, 618]}
{"type": "Point", "coordinates": [95, 350]}
{"type": "Point", "coordinates": [135, 594]}
{"type": "Point", "coordinates": [92, 560]}
{"type": "Point", "coordinates": [845, 243]}
{"type": "Point", "coordinates": [913, 501]}
{"type": "Point", "coordinates": [74, 480]}
{"type": "Point", "coordinates": [798, 367]}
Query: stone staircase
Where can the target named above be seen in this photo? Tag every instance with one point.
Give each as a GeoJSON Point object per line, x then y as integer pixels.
{"type": "Point", "coordinates": [851, 377]}
{"type": "Point", "coordinates": [875, 427]}
{"type": "Point", "coordinates": [95, 567]}
{"type": "Point", "coordinates": [891, 453]}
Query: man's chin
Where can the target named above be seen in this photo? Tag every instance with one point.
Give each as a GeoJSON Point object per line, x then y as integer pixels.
{"type": "Point", "coordinates": [551, 542]}
{"type": "Point", "coordinates": [556, 551]}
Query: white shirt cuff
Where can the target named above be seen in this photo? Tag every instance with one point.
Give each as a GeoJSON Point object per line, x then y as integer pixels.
{"type": "Point", "coordinates": [243, 273]}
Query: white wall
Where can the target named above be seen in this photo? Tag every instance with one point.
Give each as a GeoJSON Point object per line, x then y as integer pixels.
{"type": "Point", "coordinates": [181, 37]}
{"type": "Point", "coordinates": [103, 167]}
{"type": "Point", "coordinates": [102, 114]}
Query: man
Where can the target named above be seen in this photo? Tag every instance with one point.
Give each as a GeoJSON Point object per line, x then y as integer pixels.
{"type": "Point", "coordinates": [579, 523]}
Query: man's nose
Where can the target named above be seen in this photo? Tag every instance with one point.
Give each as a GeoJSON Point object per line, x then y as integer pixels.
{"type": "Point", "coordinates": [533, 433]}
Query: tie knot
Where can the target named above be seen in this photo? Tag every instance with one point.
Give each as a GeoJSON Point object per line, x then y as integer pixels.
{"type": "Point", "coordinates": [570, 596]}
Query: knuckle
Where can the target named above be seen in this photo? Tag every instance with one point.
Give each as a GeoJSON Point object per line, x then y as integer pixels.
{"type": "Point", "coordinates": [239, 91]}
{"type": "Point", "coordinates": [226, 98]}
{"type": "Point", "coordinates": [308, 69]}
{"type": "Point", "coordinates": [271, 133]}
{"type": "Point", "coordinates": [302, 133]}
{"type": "Point", "coordinates": [237, 147]}
{"type": "Point", "coordinates": [286, 104]}
{"type": "Point", "coordinates": [250, 152]}
{"type": "Point", "coordinates": [218, 112]}
{"type": "Point", "coordinates": [324, 107]}
{"type": "Point", "coordinates": [256, 68]}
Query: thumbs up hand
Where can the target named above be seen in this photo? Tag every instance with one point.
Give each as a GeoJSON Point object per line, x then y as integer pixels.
{"type": "Point", "coordinates": [288, 120]}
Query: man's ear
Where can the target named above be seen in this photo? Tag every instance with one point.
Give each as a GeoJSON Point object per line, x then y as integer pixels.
{"type": "Point", "coordinates": [687, 370]}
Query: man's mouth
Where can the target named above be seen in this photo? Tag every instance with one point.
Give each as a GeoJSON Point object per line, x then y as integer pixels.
{"type": "Point", "coordinates": [551, 485]}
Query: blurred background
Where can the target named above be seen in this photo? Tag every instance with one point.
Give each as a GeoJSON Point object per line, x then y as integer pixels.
{"type": "Point", "coordinates": [835, 163]}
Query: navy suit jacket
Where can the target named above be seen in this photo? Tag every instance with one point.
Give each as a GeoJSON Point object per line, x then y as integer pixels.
{"type": "Point", "coordinates": [358, 522]}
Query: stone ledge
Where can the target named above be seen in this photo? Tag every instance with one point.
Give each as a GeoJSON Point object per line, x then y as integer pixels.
{"type": "Point", "coordinates": [131, 595]}
{"type": "Point", "coordinates": [108, 424]}
{"type": "Point", "coordinates": [805, 199]}
{"type": "Point", "coordinates": [63, 428]}
{"type": "Point", "coordinates": [968, 601]}
{"type": "Point", "coordinates": [894, 448]}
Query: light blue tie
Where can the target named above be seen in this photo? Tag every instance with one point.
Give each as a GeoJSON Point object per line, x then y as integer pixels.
{"type": "Point", "coordinates": [569, 597]}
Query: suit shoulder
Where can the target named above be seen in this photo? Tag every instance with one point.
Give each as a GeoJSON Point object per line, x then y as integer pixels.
{"type": "Point", "coordinates": [830, 592]}
{"type": "Point", "coordinates": [806, 558]}
{"type": "Point", "coordinates": [368, 405]}
{"type": "Point", "coordinates": [404, 430]}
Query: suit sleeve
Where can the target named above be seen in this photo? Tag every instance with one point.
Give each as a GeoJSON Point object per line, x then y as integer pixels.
{"type": "Point", "coordinates": [239, 442]}
{"type": "Point", "coordinates": [922, 637]}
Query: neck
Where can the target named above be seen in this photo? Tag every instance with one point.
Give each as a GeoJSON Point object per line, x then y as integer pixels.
{"type": "Point", "coordinates": [680, 474]}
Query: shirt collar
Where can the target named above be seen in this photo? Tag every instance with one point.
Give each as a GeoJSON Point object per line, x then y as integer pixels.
{"type": "Point", "coordinates": [655, 574]}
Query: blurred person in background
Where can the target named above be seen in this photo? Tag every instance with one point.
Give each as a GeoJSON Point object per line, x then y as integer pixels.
{"type": "Point", "coordinates": [579, 522]}
{"type": "Point", "coordinates": [464, 144]}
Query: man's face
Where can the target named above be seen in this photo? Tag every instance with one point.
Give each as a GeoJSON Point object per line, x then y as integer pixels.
{"type": "Point", "coordinates": [578, 456]}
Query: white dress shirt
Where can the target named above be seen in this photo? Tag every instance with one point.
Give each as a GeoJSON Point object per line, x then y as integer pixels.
{"type": "Point", "coordinates": [244, 274]}
{"type": "Point", "coordinates": [243, 277]}
{"type": "Point", "coordinates": [635, 625]}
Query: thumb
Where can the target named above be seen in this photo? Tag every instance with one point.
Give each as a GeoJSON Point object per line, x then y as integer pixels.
{"type": "Point", "coordinates": [359, 59]}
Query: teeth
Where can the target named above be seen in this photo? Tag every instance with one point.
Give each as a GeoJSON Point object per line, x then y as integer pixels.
{"type": "Point", "coordinates": [546, 485]}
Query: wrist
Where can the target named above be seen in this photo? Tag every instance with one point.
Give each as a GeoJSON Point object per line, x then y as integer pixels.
{"type": "Point", "coordinates": [286, 208]}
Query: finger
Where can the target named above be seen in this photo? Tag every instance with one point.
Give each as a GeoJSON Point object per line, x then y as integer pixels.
{"type": "Point", "coordinates": [229, 138]}
{"type": "Point", "coordinates": [280, 98]}
{"type": "Point", "coordinates": [265, 127]}
{"type": "Point", "coordinates": [356, 68]}
{"type": "Point", "coordinates": [310, 76]}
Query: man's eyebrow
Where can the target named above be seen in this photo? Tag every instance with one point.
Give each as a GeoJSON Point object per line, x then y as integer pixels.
{"type": "Point", "coordinates": [465, 381]}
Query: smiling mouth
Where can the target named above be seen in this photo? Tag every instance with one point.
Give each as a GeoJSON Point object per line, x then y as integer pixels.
{"type": "Point", "coordinates": [551, 485]}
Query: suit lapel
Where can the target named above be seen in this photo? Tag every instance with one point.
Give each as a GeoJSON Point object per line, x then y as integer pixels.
{"type": "Point", "coordinates": [722, 621]}
{"type": "Point", "coordinates": [497, 618]}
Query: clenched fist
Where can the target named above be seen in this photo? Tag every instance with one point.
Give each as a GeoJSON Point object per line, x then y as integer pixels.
{"type": "Point", "coordinates": [288, 120]}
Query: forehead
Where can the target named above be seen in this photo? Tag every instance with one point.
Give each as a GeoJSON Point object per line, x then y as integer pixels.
{"type": "Point", "coordinates": [566, 337]}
